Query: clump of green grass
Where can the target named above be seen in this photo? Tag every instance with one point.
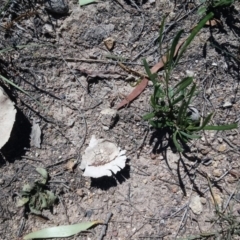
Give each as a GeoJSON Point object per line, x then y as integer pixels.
{"type": "Point", "coordinates": [171, 106]}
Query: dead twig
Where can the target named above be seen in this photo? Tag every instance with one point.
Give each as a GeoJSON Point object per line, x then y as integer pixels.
{"type": "Point", "coordinates": [104, 227]}
{"type": "Point", "coordinates": [131, 71]}
{"type": "Point", "coordinates": [60, 162]}
{"type": "Point", "coordinates": [184, 215]}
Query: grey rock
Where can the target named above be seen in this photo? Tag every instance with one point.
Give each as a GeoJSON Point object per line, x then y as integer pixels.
{"type": "Point", "coordinates": [109, 117]}
{"type": "Point", "coordinates": [196, 205]}
{"type": "Point", "coordinates": [95, 35]}
{"type": "Point", "coordinates": [57, 6]}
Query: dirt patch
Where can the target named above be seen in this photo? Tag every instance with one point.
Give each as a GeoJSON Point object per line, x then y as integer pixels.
{"type": "Point", "coordinates": [68, 69]}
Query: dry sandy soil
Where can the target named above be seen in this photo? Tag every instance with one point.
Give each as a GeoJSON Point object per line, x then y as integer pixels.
{"type": "Point", "coordinates": [68, 69]}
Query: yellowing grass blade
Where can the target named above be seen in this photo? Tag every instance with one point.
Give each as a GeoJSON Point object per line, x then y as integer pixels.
{"type": "Point", "coordinates": [85, 2]}
{"type": "Point", "coordinates": [61, 231]}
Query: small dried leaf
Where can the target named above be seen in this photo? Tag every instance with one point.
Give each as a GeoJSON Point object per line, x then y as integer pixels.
{"type": "Point", "coordinates": [134, 94]}
{"type": "Point", "coordinates": [71, 165]}
{"type": "Point", "coordinates": [216, 198]}
{"type": "Point", "coordinates": [27, 188]}
{"type": "Point", "coordinates": [43, 172]}
{"type": "Point", "coordinates": [109, 43]}
{"type": "Point", "coordinates": [213, 22]}
{"type": "Point", "coordinates": [22, 201]}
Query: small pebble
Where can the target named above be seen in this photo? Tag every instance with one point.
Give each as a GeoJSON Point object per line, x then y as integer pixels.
{"type": "Point", "coordinates": [217, 173]}
{"type": "Point", "coordinates": [215, 164]}
{"type": "Point", "coordinates": [174, 189]}
{"type": "Point", "coordinates": [47, 28]}
{"type": "Point", "coordinates": [196, 205]}
{"type": "Point", "coordinates": [80, 192]}
{"type": "Point", "coordinates": [222, 148]}
{"type": "Point", "coordinates": [218, 158]}
{"type": "Point", "coordinates": [205, 151]}
{"type": "Point", "coordinates": [217, 198]}
{"type": "Point", "coordinates": [161, 175]}
{"type": "Point", "coordinates": [118, 209]}
{"type": "Point", "coordinates": [115, 233]}
{"type": "Point", "coordinates": [189, 73]}
{"type": "Point", "coordinates": [209, 91]}
{"type": "Point", "coordinates": [203, 200]}
{"type": "Point", "coordinates": [161, 157]}
{"type": "Point", "coordinates": [135, 185]}
{"type": "Point", "coordinates": [153, 178]}
{"type": "Point", "coordinates": [227, 104]}
{"type": "Point", "coordinates": [99, 191]}
{"type": "Point", "coordinates": [88, 213]}
{"type": "Point", "coordinates": [153, 156]}
{"type": "Point", "coordinates": [145, 181]}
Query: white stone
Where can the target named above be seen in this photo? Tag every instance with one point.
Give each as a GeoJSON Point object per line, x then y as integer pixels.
{"type": "Point", "coordinates": [108, 118]}
{"type": "Point", "coordinates": [227, 104]}
{"type": "Point", "coordinates": [189, 73]}
{"type": "Point", "coordinates": [196, 205]}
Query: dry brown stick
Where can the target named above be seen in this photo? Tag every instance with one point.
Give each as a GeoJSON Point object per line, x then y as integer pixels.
{"type": "Point", "coordinates": [104, 227]}
{"type": "Point", "coordinates": [59, 162]}
{"type": "Point", "coordinates": [131, 71]}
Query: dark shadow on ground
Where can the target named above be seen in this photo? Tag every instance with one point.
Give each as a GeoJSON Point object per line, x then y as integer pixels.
{"type": "Point", "coordinates": [105, 183]}
{"type": "Point", "coordinates": [230, 16]}
{"type": "Point", "coordinates": [19, 140]}
{"type": "Point", "coordinates": [160, 141]}
{"type": "Point", "coordinates": [137, 2]}
{"type": "Point", "coordinates": [160, 145]}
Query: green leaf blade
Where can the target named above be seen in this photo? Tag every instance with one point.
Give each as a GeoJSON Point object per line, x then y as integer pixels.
{"type": "Point", "coordinates": [193, 34]}
{"type": "Point", "coordinates": [175, 141]}
{"type": "Point", "coordinates": [190, 136]}
{"type": "Point", "coordinates": [222, 127]}
{"type": "Point", "coordinates": [153, 76]}
{"type": "Point", "coordinates": [173, 47]}
{"type": "Point", "coordinates": [178, 99]}
{"type": "Point", "coordinates": [149, 116]}
{"type": "Point", "coordinates": [61, 231]}
{"type": "Point", "coordinates": [183, 85]}
{"type": "Point", "coordinates": [85, 2]}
